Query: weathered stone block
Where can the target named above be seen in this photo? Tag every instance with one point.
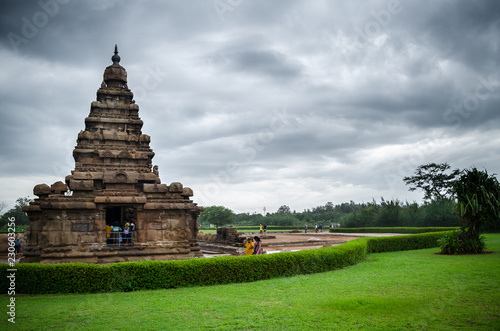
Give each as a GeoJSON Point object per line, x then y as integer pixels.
{"type": "Point", "coordinates": [153, 225]}
{"type": "Point", "coordinates": [88, 175]}
{"type": "Point", "coordinates": [82, 226]}
{"type": "Point", "coordinates": [32, 208]}
{"type": "Point", "coordinates": [81, 185]}
{"type": "Point", "coordinates": [121, 200]}
{"type": "Point", "coordinates": [41, 189]}
{"type": "Point", "coordinates": [100, 225]}
{"type": "Point", "coordinates": [56, 238]}
{"type": "Point", "coordinates": [120, 176]}
{"type": "Point", "coordinates": [187, 192]}
{"type": "Point", "coordinates": [175, 187]}
{"type": "Point", "coordinates": [153, 188]}
{"type": "Point", "coordinates": [173, 223]}
{"type": "Point", "coordinates": [88, 238]}
{"type": "Point", "coordinates": [151, 235]}
{"type": "Point", "coordinates": [58, 188]}
{"type": "Point", "coordinates": [53, 225]}
{"type": "Point", "coordinates": [67, 205]}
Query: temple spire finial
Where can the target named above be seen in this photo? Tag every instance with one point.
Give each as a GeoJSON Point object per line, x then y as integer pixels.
{"type": "Point", "coordinates": [116, 58]}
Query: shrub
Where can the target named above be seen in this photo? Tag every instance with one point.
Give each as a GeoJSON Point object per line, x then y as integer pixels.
{"type": "Point", "coordinates": [403, 243]}
{"type": "Point", "coordinates": [454, 242]}
{"type": "Point", "coordinates": [449, 243]}
{"type": "Point", "coordinates": [34, 278]}
{"type": "Point", "coordinates": [478, 196]}
{"type": "Point", "coordinates": [406, 230]}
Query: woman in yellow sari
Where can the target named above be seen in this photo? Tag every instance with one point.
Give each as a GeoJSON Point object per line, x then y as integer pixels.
{"type": "Point", "coordinates": [249, 246]}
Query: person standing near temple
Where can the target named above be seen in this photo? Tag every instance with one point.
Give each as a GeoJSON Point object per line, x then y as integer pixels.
{"type": "Point", "coordinates": [108, 234]}
{"type": "Point", "coordinates": [260, 229]}
{"type": "Point", "coordinates": [126, 232]}
{"type": "Point", "coordinates": [249, 246]}
{"type": "Point", "coordinates": [257, 250]}
{"type": "Point", "coordinates": [131, 231]}
{"type": "Point", "coordinates": [305, 228]}
{"type": "Point", "coordinates": [17, 246]}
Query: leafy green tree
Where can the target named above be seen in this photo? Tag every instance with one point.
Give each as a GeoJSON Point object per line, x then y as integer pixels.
{"type": "Point", "coordinates": [478, 197]}
{"type": "Point", "coordinates": [388, 213]}
{"type": "Point", "coordinates": [217, 215]}
{"type": "Point", "coordinates": [434, 180]}
{"type": "Point", "coordinates": [284, 210]}
{"type": "Point", "coordinates": [438, 213]}
{"type": "Point", "coordinates": [20, 216]}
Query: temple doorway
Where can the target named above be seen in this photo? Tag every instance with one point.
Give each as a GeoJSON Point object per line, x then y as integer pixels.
{"type": "Point", "coordinates": [114, 216]}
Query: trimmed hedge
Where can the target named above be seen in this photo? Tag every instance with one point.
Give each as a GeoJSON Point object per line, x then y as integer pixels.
{"type": "Point", "coordinates": [403, 243]}
{"type": "Point", "coordinates": [406, 230]}
{"type": "Point", "coordinates": [256, 228]}
{"type": "Point", "coordinates": [35, 278]}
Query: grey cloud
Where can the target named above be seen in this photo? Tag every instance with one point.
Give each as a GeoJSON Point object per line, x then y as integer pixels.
{"type": "Point", "coordinates": [357, 112]}
{"type": "Point", "coordinates": [258, 62]}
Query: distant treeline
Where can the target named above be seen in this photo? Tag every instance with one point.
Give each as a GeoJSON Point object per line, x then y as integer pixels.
{"type": "Point", "coordinates": [393, 213]}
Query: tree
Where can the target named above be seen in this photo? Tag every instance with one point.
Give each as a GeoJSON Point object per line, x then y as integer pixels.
{"type": "Point", "coordinates": [478, 197]}
{"type": "Point", "coordinates": [284, 210]}
{"type": "Point", "coordinates": [217, 215]}
{"type": "Point", "coordinates": [17, 213]}
{"type": "Point", "coordinates": [388, 213]}
{"type": "Point", "coordinates": [433, 180]}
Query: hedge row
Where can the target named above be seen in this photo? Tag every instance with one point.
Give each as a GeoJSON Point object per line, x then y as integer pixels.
{"type": "Point", "coordinates": [403, 243]}
{"type": "Point", "coordinates": [406, 230]}
{"type": "Point", "coordinates": [256, 228]}
{"type": "Point", "coordinates": [34, 278]}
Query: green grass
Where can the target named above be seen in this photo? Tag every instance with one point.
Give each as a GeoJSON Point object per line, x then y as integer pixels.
{"type": "Point", "coordinates": [416, 290]}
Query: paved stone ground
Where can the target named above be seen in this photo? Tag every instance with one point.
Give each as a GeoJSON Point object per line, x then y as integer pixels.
{"type": "Point", "coordinates": [291, 242]}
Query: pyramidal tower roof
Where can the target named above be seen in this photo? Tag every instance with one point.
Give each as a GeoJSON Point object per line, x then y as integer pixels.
{"type": "Point", "coordinates": [112, 139]}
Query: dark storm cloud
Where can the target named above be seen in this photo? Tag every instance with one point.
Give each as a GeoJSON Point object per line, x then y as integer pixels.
{"type": "Point", "coordinates": [260, 102]}
{"type": "Point", "coordinates": [268, 63]}
{"type": "Point", "coordinates": [466, 31]}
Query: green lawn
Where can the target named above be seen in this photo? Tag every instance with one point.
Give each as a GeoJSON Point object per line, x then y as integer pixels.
{"type": "Point", "coordinates": [416, 290]}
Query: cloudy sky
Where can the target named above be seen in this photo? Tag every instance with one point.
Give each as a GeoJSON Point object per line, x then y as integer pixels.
{"type": "Point", "coordinates": [255, 103]}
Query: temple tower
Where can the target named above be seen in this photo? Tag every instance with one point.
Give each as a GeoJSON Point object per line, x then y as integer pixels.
{"type": "Point", "coordinates": [114, 184]}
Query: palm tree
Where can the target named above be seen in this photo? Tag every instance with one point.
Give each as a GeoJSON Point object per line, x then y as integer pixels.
{"type": "Point", "coordinates": [478, 202]}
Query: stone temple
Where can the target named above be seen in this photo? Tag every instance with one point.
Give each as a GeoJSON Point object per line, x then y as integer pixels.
{"type": "Point", "coordinates": [113, 183]}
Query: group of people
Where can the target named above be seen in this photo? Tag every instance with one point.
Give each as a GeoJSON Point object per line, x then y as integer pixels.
{"type": "Point", "coordinates": [116, 235]}
{"type": "Point", "coordinates": [319, 228]}
{"type": "Point", "coordinates": [253, 248]}
{"type": "Point", "coordinates": [263, 229]}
